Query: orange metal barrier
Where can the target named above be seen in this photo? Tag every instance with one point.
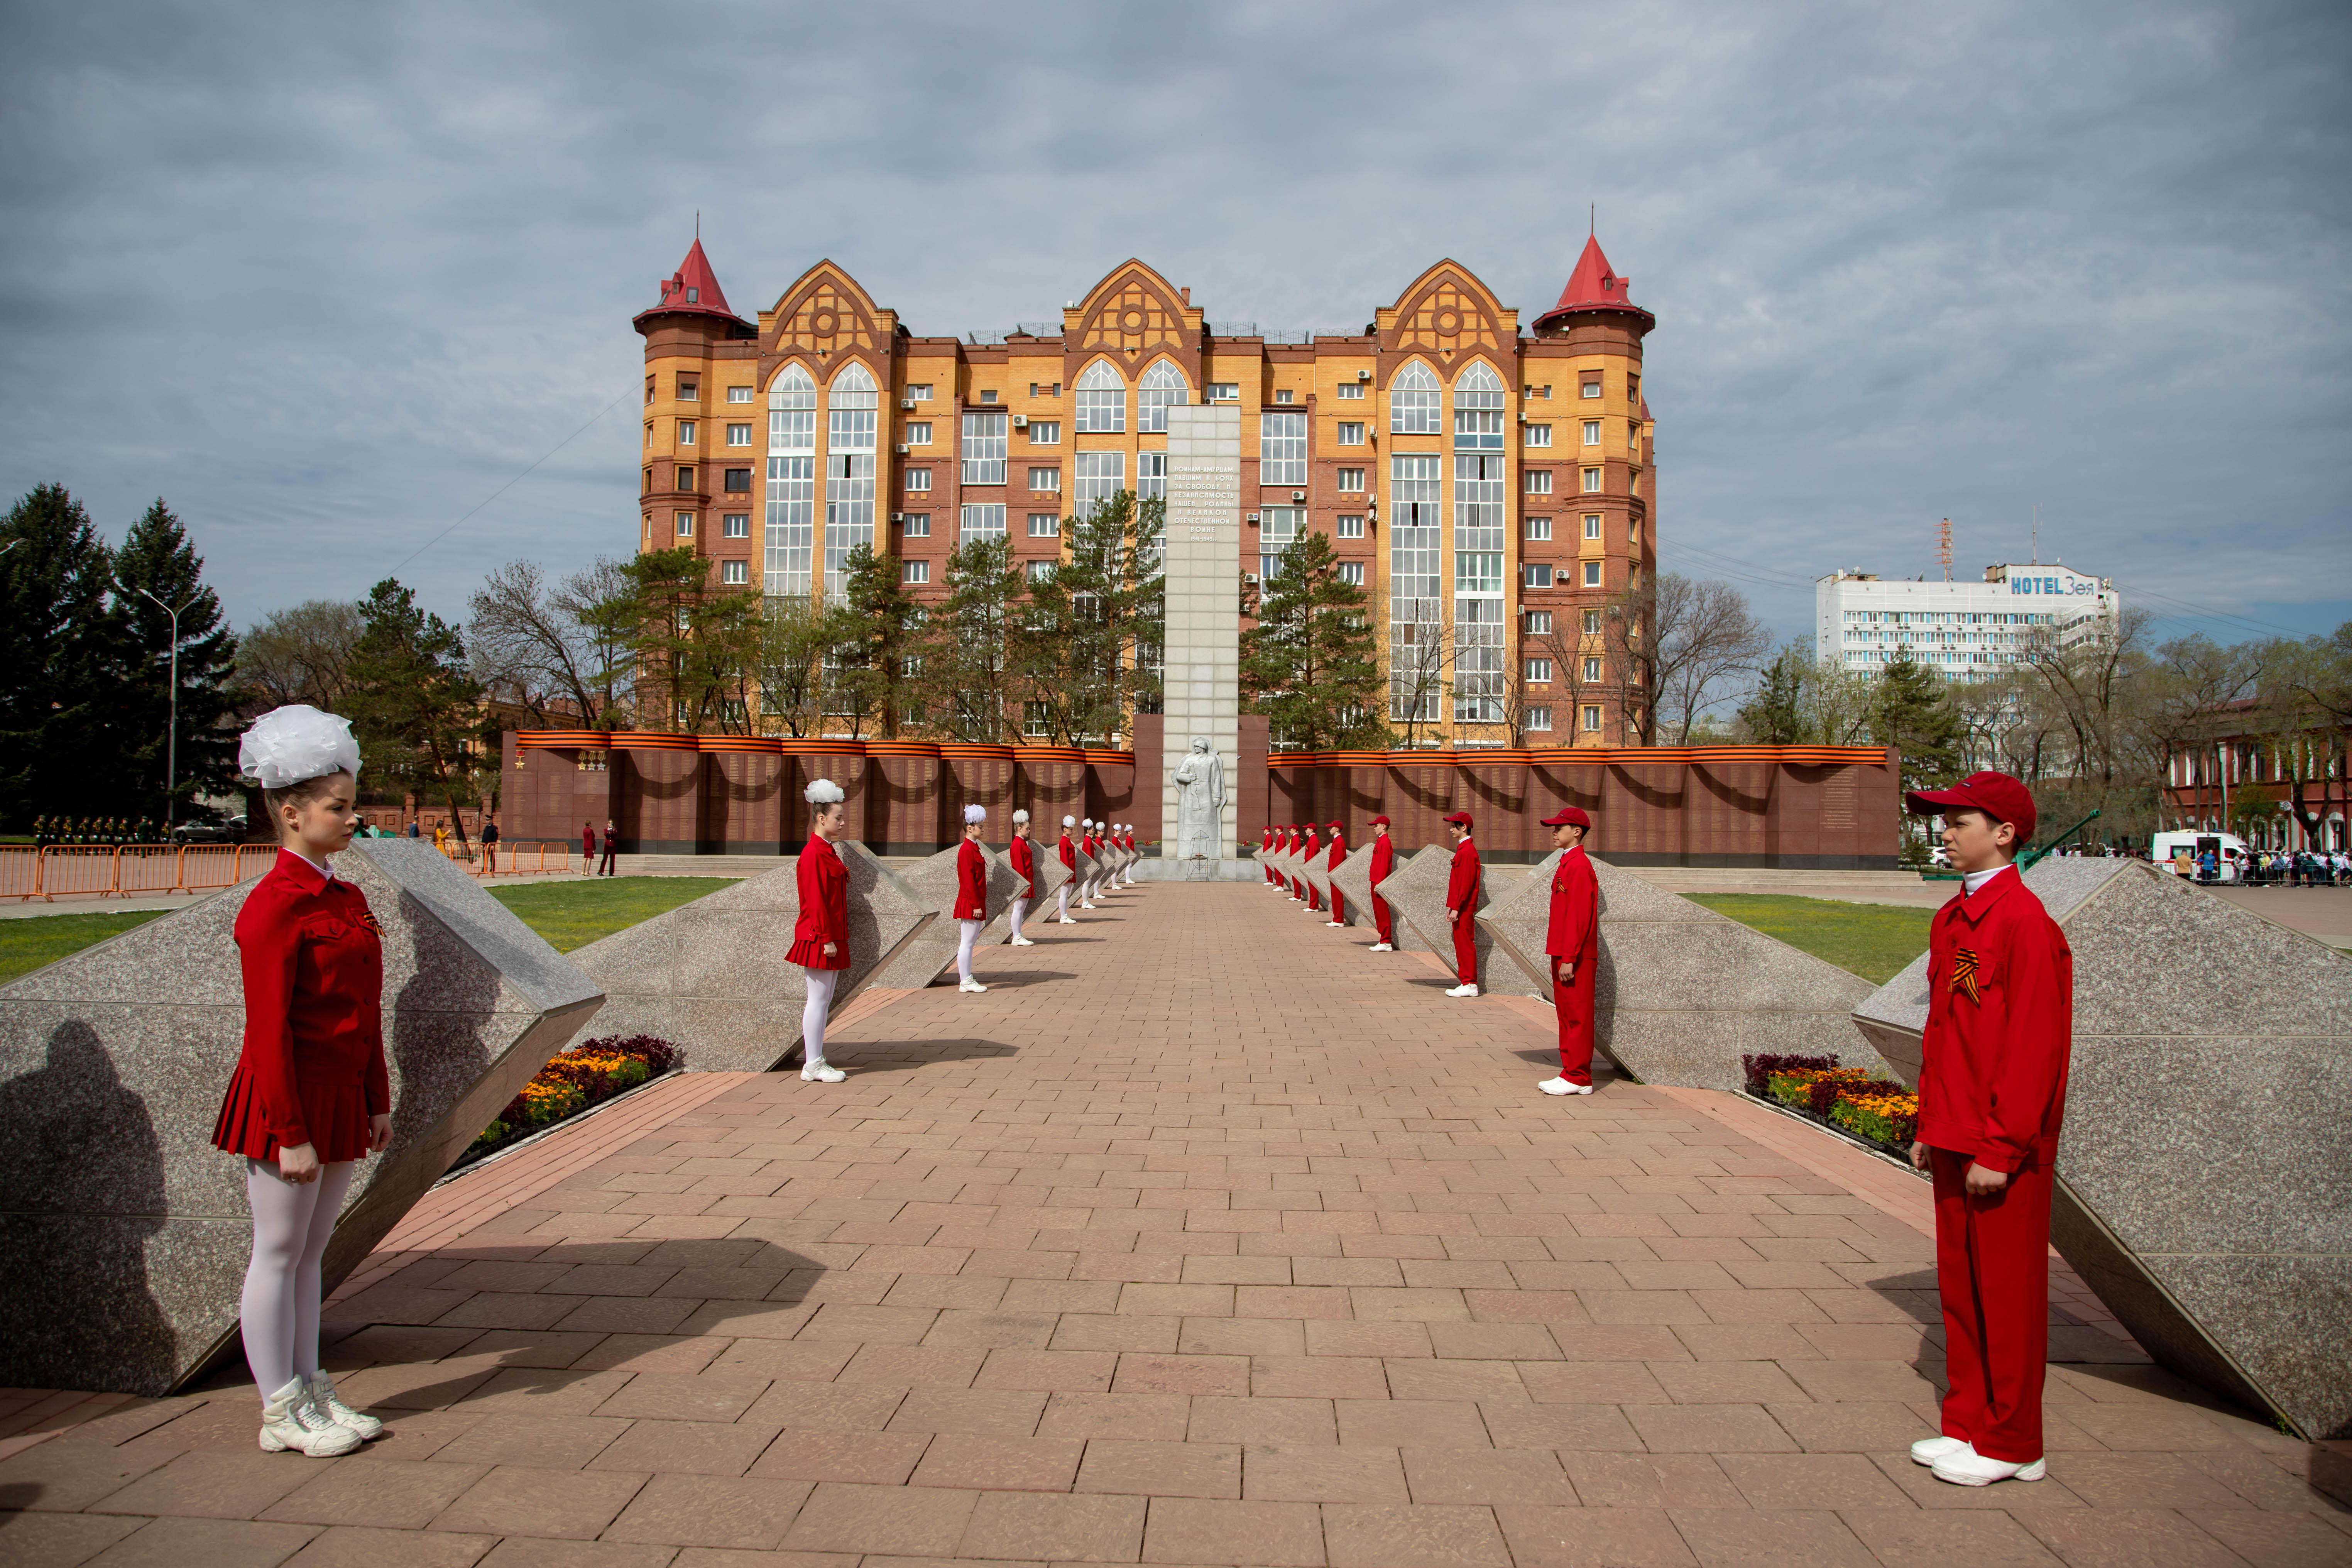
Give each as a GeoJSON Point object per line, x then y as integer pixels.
{"type": "Point", "coordinates": [20, 872]}
{"type": "Point", "coordinates": [206, 866]}
{"type": "Point", "coordinates": [72, 868]}
{"type": "Point", "coordinates": [141, 870]}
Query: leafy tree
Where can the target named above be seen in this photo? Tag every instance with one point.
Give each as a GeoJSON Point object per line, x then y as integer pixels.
{"type": "Point", "coordinates": [967, 680]}
{"type": "Point", "coordinates": [658, 607]}
{"type": "Point", "coordinates": [1311, 664]}
{"type": "Point", "coordinates": [414, 704]}
{"type": "Point", "coordinates": [300, 655]}
{"type": "Point", "coordinates": [157, 560]}
{"type": "Point", "coordinates": [885, 624]}
{"type": "Point", "coordinates": [1085, 645]}
{"type": "Point", "coordinates": [1775, 714]}
{"type": "Point", "coordinates": [796, 636]}
{"type": "Point", "coordinates": [59, 632]}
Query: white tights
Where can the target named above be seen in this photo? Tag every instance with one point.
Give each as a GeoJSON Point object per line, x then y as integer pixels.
{"type": "Point", "coordinates": [1065, 896]}
{"type": "Point", "coordinates": [1020, 907]}
{"type": "Point", "coordinates": [821, 983]}
{"type": "Point", "coordinates": [968, 931]}
{"type": "Point", "coordinates": [291, 1223]}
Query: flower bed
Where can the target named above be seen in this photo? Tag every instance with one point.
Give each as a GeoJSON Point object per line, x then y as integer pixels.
{"type": "Point", "coordinates": [586, 1075]}
{"type": "Point", "coordinates": [1874, 1111]}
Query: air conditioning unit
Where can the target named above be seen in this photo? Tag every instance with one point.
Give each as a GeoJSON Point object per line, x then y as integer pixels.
{"type": "Point", "coordinates": [1252, 520]}
{"type": "Point", "coordinates": [905, 403]}
{"type": "Point", "coordinates": [1363, 376]}
{"type": "Point", "coordinates": [1249, 576]}
{"type": "Point", "coordinates": [1021, 422]}
{"type": "Point", "coordinates": [1298, 495]}
{"type": "Point", "coordinates": [902, 448]}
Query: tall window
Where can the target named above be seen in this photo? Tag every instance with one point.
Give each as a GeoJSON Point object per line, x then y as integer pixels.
{"type": "Point", "coordinates": [1161, 388]}
{"type": "Point", "coordinates": [980, 522]}
{"type": "Point", "coordinates": [1102, 400]}
{"type": "Point", "coordinates": [1151, 475]}
{"type": "Point", "coordinates": [1416, 496]}
{"type": "Point", "coordinates": [1478, 410]}
{"type": "Point", "coordinates": [1413, 401]}
{"type": "Point", "coordinates": [850, 412]}
{"type": "Point", "coordinates": [984, 449]}
{"type": "Point", "coordinates": [1100, 475]}
{"type": "Point", "coordinates": [1278, 528]}
{"type": "Point", "coordinates": [1282, 448]}
{"type": "Point", "coordinates": [791, 526]}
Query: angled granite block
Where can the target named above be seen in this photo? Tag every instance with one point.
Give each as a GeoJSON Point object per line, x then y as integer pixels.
{"type": "Point", "coordinates": [125, 1233]}
{"type": "Point", "coordinates": [1050, 876]}
{"type": "Point", "coordinates": [1684, 992]}
{"type": "Point", "coordinates": [932, 880]}
{"type": "Point", "coordinates": [1317, 869]}
{"type": "Point", "coordinates": [1355, 880]}
{"type": "Point", "coordinates": [1415, 891]}
{"type": "Point", "coordinates": [2204, 1180]}
{"type": "Point", "coordinates": [713, 977]}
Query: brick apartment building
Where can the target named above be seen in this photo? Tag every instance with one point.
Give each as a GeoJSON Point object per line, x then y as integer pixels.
{"type": "Point", "coordinates": [1490, 486]}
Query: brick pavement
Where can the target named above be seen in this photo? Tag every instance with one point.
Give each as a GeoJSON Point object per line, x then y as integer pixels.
{"type": "Point", "coordinates": [1203, 1237]}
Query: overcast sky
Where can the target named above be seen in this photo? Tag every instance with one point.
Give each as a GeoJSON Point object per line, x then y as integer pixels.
{"type": "Point", "coordinates": [328, 279]}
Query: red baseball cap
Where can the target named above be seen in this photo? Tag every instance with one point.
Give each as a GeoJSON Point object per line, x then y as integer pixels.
{"type": "Point", "coordinates": [1336, 827]}
{"type": "Point", "coordinates": [1998, 796]}
{"type": "Point", "coordinates": [1568, 817]}
{"type": "Point", "coordinates": [1378, 822]}
{"type": "Point", "coordinates": [1461, 817]}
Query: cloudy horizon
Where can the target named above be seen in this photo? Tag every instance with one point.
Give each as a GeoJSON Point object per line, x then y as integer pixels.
{"type": "Point", "coordinates": [328, 282]}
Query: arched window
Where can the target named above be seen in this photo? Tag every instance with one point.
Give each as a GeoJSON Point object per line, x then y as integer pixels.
{"type": "Point", "coordinates": [791, 532]}
{"type": "Point", "coordinates": [850, 410]}
{"type": "Point", "coordinates": [1161, 388]}
{"type": "Point", "coordinates": [1478, 410]}
{"type": "Point", "coordinates": [1102, 400]}
{"type": "Point", "coordinates": [1413, 401]}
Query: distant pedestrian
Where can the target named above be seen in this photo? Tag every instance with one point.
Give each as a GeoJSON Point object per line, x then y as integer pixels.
{"type": "Point", "coordinates": [490, 845]}
{"type": "Point", "coordinates": [587, 848]}
{"type": "Point", "coordinates": [416, 828]}
{"type": "Point", "coordinates": [611, 844]}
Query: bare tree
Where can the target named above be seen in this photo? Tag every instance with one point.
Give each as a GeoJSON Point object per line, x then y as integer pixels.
{"type": "Point", "coordinates": [1421, 670]}
{"type": "Point", "coordinates": [302, 654]}
{"type": "Point", "coordinates": [1677, 642]}
{"type": "Point", "coordinates": [1567, 651]}
{"type": "Point", "coordinates": [560, 650]}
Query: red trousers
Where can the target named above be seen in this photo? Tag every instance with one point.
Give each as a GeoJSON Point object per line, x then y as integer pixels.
{"type": "Point", "coordinates": [1465, 948]}
{"type": "Point", "coordinates": [1992, 1270]}
{"type": "Point", "coordinates": [1381, 920]}
{"type": "Point", "coordinates": [1338, 905]}
{"type": "Point", "coordinates": [1573, 1001]}
{"type": "Point", "coordinates": [1314, 899]}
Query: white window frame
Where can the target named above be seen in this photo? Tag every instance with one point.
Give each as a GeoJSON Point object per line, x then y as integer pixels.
{"type": "Point", "coordinates": [1539, 718]}
{"type": "Point", "coordinates": [740, 395]}
{"type": "Point", "coordinates": [1592, 481]}
{"type": "Point", "coordinates": [919, 482]}
{"type": "Point", "coordinates": [1414, 394]}
{"type": "Point", "coordinates": [914, 573]}
{"type": "Point", "coordinates": [684, 522]}
{"type": "Point", "coordinates": [735, 525]}
{"type": "Point", "coordinates": [734, 573]}
{"type": "Point", "coordinates": [1347, 526]}
{"type": "Point", "coordinates": [1224, 392]}
{"type": "Point", "coordinates": [1350, 480]}
{"type": "Point", "coordinates": [1591, 668]}
{"type": "Point", "coordinates": [1535, 574]}
{"type": "Point", "coordinates": [1097, 476]}
{"type": "Point", "coordinates": [984, 437]}
{"type": "Point", "coordinates": [1045, 482]}
{"type": "Point", "coordinates": [1539, 436]}
{"type": "Point", "coordinates": [1163, 388]}
{"type": "Point", "coordinates": [1478, 409]}
{"type": "Point", "coordinates": [916, 525]}
{"type": "Point", "coordinates": [1538, 672]}
{"type": "Point", "coordinates": [918, 433]}
{"type": "Point", "coordinates": [1592, 574]}
{"type": "Point", "coordinates": [1101, 401]}
{"type": "Point", "coordinates": [1536, 482]}
{"type": "Point", "coordinates": [686, 432]}
{"type": "Point", "coordinates": [738, 435]}
{"type": "Point", "coordinates": [1592, 525]}
{"type": "Point", "coordinates": [1351, 433]}
{"type": "Point", "coordinates": [976, 521]}
{"type": "Point", "coordinates": [1538, 622]}
{"type": "Point", "coordinates": [1282, 448]}
{"type": "Point", "coordinates": [1044, 525]}
{"type": "Point", "coordinates": [1589, 386]}
{"type": "Point", "coordinates": [1352, 573]}
{"type": "Point", "coordinates": [920, 393]}
{"type": "Point", "coordinates": [1044, 432]}
{"type": "Point", "coordinates": [1151, 475]}
{"type": "Point", "coordinates": [1593, 718]}
{"type": "Point", "coordinates": [1593, 432]}
{"type": "Point", "coordinates": [1538, 528]}
{"type": "Point", "coordinates": [1350, 392]}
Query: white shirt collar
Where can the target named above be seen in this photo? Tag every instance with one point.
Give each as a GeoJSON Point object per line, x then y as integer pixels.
{"type": "Point", "coordinates": [1971, 880]}
{"type": "Point", "coordinates": [320, 867]}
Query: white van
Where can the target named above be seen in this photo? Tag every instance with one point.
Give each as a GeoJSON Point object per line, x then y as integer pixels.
{"type": "Point", "coordinates": [2174, 850]}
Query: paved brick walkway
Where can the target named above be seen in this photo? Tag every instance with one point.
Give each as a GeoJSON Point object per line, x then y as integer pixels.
{"type": "Point", "coordinates": [1205, 1238]}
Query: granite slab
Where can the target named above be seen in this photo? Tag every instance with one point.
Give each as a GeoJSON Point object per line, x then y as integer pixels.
{"type": "Point", "coordinates": [1354, 879]}
{"type": "Point", "coordinates": [932, 880]}
{"type": "Point", "coordinates": [1415, 891]}
{"type": "Point", "coordinates": [1050, 876]}
{"type": "Point", "coordinates": [1683, 992]}
{"type": "Point", "coordinates": [125, 1232]}
{"type": "Point", "coordinates": [2204, 1179]}
{"type": "Point", "coordinates": [713, 977]}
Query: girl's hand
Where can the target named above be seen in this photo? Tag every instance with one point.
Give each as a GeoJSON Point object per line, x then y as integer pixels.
{"type": "Point", "coordinates": [298, 1165]}
{"type": "Point", "coordinates": [379, 1132]}
{"type": "Point", "coordinates": [1918, 1156]}
{"type": "Point", "coordinates": [829, 949]}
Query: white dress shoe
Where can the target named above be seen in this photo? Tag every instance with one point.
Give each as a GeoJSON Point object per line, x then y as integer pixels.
{"type": "Point", "coordinates": [1066, 920]}
{"type": "Point", "coordinates": [1561, 1086]}
{"type": "Point", "coordinates": [1967, 1467]}
{"type": "Point", "coordinates": [1022, 941]}
{"type": "Point", "coordinates": [1463, 991]}
{"type": "Point", "coordinates": [1928, 1450]}
{"type": "Point", "coordinates": [822, 1072]}
{"type": "Point", "coordinates": [1381, 947]}
{"type": "Point", "coordinates": [970, 986]}
{"type": "Point", "coordinates": [293, 1419]}
{"type": "Point", "coordinates": [322, 1394]}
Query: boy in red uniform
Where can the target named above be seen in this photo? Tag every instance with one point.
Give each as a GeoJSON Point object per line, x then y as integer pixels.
{"type": "Point", "coordinates": [1992, 1091]}
{"type": "Point", "coordinates": [1309, 849]}
{"type": "Point", "coordinates": [1383, 862]}
{"type": "Point", "coordinates": [1338, 854]}
{"type": "Point", "coordinates": [1462, 890]}
{"type": "Point", "coordinates": [1572, 942]}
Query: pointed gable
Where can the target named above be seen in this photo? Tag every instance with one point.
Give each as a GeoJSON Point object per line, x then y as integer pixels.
{"type": "Point", "coordinates": [1593, 286]}
{"type": "Point", "coordinates": [1132, 315]}
{"type": "Point", "coordinates": [1447, 314]}
{"type": "Point", "coordinates": [826, 312]}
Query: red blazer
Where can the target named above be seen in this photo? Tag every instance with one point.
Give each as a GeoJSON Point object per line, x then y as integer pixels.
{"type": "Point", "coordinates": [1265, 844]}
{"type": "Point", "coordinates": [971, 882]}
{"type": "Point", "coordinates": [1338, 851]}
{"type": "Point", "coordinates": [312, 1069]}
{"type": "Point", "coordinates": [1574, 934]}
{"type": "Point", "coordinates": [1313, 846]}
{"type": "Point", "coordinates": [1092, 845]}
{"type": "Point", "coordinates": [1383, 858]}
{"type": "Point", "coordinates": [1462, 885]}
{"type": "Point", "coordinates": [2001, 1027]}
{"type": "Point", "coordinates": [587, 841]}
{"type": "Point", "coordinates": [824, 907]}
{"type": "Point", "coordinates": [1023, 856]}
{"type": "Point", "coordinates": [1070, 851]}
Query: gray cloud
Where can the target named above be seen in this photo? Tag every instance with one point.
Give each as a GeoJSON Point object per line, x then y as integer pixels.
{"type": "Point", "coordinates": [326, 278]}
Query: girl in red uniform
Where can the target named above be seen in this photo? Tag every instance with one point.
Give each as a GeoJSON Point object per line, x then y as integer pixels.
{"type": "Point", "coordinates": [821, 936]}
{"type": "Point", "coordinates": [1462, 890]}
{"type": "Point", "coordinates": [311, 1095]}
{"type": "Point", "coordinates": [1265, 854]}
{"type": "Point", "coordinates": [971, 895]}
{"type": "Point", "coordinates": [1023, 856]}
{"type": "Point", "coordinates": [1383, 862]}
{"type": "Point", "coordinates": [1992, 1092]}
{"type": "Point", "coordinates": [1070, 854]}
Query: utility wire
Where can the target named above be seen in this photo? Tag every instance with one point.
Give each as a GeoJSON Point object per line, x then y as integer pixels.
{"type": "Point", "coordinates": [510, 483]}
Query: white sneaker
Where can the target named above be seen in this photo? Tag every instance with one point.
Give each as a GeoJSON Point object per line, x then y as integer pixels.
{"type": "Point", "coordinates": [1967, 1467]}
{"type": "Point", "coordinates": [1065, 920]}
{"type": "Point", "coordinates": [1928, 1450]}
{"type": "Point", "coordinates": [1463, 991]}
{"type": "Point", "coordinates": [358, 1422]}
{"type": "Point", "coordinates": [1380, 947]}
{"type": "Point", "coordinates": [1022, 941]}
{"type": "Point", "coordinates": [822, 1072]}
{"type": "Point", "coordinates": [293, 1419]}
{"type": "Point", "coordinates": [1086, 904]}
{"type": "Point", "coordinates": [1561, 1086]}
{"type": "Point", "coordinates": [970, 986]}
{"type": "Point", "coordinates": [1337, 925]}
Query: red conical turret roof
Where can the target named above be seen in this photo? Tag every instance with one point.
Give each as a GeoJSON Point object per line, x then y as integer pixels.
{"type": "Point", "coordinates": [693, 289]}
{"type": "Point", "coordinates": [1593, 286]}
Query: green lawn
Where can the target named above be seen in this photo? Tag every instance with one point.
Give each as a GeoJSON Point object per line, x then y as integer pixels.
{"type": "Point", "coordinates": [28, 943]}
{"type": "Point", "coordinates": [573, 914]}
{"type": "Point", "coordinates": [1873, 941]}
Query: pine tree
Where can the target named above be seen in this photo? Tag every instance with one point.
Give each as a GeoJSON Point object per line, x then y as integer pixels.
{"type": "Point", "coordinates": [1912, 712]}
{"type": "Point", "coordinates": [1775, 715]}
{"type": "Point", "coordinates": [1086, 644]}
{"type": "Point", "coordinates": [967, 680]}
{"type": "Point", "coordinates": [416, 706]}
{"type": "Point", "coordinates": [157, 560]}
{"type": "Point", "coordinates": [59, 643]}
{"type": "Point", "coordinates": [1311, 664]}
{"type": "Point", "coordinates": [875, 680]}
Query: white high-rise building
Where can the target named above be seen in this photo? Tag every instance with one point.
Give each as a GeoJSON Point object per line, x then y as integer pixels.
{"type": "Point", "coordinates": [1964, 631]}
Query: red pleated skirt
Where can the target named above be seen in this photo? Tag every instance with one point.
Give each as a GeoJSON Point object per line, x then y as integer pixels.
{"type": "Point", "coordinates": [335, 1113]}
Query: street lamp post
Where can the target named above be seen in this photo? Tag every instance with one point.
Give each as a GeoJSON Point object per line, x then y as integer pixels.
{"type": "Point", "coordinates": [171, 738]}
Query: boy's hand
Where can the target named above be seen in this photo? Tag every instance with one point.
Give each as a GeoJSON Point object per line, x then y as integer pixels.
{"type": "Point", "coordinates": [1981, 1183]}
{"type": "Point", "coordinates": [1918, 1156]}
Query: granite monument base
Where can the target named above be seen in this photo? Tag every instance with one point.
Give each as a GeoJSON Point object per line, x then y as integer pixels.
{"type": "Point", "coordinates": [125, 1232]}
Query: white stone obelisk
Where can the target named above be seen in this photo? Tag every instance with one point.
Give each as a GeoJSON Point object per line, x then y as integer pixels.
{"type": "Point", "coordinates": [1202, 668]}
